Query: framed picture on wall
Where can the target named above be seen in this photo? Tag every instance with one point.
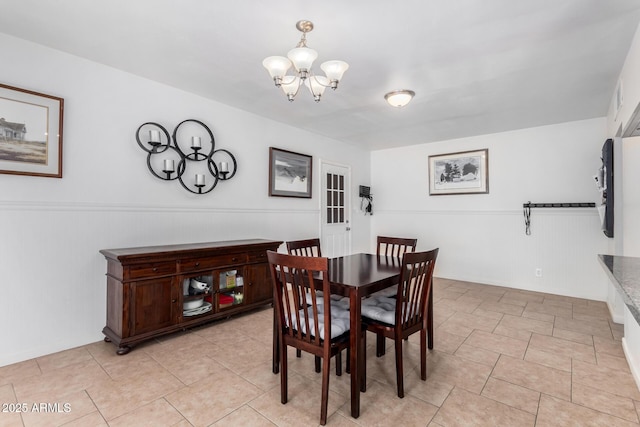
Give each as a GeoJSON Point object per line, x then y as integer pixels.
{"type": "Point", "coordinates": [466, 172]}
{"type": "Point", "coordinates": [289, 173]}
{"type": "Point", "coordinates": [30, 133]}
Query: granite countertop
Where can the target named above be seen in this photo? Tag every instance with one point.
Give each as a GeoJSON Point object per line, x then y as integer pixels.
{"type": "Point", "coordinates": [625, 275]}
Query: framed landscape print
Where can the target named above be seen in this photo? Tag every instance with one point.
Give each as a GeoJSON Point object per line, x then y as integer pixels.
{"type": "Point", "coordinates": [289, 173]}
{"type": "Point", "coordinates": [465, 172]}
{"type": "Point", "coordinates": [30, 133]}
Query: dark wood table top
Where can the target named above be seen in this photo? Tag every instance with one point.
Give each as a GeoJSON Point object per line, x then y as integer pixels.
{"type": "Point", "coordinates": [364, 273]}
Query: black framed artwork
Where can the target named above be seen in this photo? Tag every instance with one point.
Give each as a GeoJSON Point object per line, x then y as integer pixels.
{"type": "Point", "coordinates": [289, 173]}
{"type": "Point", "coordinates": [465, 172]}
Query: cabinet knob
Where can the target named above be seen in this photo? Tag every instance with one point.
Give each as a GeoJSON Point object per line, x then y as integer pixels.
{"type": "Point", "coordinates": [234, 259]}
{"type": "Point", "coordinates": [155, 269]}
{"type": "Point", "coordinates": [174, 301]}
{"type": "Point", "coordinates": [197, 264]}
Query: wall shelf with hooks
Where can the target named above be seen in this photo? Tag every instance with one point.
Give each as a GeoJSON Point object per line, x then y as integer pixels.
{"type": "Point", "coordinates": [528, 206]}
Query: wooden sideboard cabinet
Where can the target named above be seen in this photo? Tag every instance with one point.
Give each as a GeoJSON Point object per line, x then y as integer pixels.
{"type": "Point", "coordinates": [156, 290]}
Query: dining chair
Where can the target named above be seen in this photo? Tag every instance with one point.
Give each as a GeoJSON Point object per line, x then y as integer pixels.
{"type": "Point", "coordinates": [398, 318]}
{"type": "Point", "coordinates": [301, 322]}
{"type": "Point", "coordinates": [391, 247]}
{"type": "Point", "coordinates": [306, 247]}
{"type": "Point", "coordinates": [395, 246]}
{"type": "Point", "coordinates": [311, 247]}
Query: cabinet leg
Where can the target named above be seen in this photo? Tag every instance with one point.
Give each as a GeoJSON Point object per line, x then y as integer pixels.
{"type": "Point", "coordinates": [123, 350]}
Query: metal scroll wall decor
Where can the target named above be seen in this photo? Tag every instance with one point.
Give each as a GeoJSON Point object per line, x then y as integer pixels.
{"type": "Point", "coordinates": [186, 156]}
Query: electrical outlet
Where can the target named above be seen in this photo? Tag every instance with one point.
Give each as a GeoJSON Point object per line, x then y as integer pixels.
{"type": "Point", "coordinates": [538, 272]}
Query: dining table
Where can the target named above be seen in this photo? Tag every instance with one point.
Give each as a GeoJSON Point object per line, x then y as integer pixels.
{"type": "Point", "coordinates": [358, 276]}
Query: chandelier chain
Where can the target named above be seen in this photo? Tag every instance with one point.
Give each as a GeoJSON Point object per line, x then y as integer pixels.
{"type": "Point", "coordinates": [303, 40]}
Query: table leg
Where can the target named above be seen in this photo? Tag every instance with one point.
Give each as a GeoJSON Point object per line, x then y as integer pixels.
{"type": "Point", "coordinates": [354, 343]}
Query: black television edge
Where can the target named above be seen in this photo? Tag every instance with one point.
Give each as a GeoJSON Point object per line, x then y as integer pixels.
{"type": "Point", "coordinates": [607, 195]}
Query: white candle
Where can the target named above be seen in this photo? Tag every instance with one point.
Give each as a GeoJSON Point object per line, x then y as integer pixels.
{"type": "Point", "coordinates": [154, 136]}
{"type": "Point", "coordinates": [199, 179]}
{"type": "Point", "coordinates": [168, 165]}
{"type": "Point", "coordinates": [224, 167]}
{"type": "Point", "coordinates": [195, 141]}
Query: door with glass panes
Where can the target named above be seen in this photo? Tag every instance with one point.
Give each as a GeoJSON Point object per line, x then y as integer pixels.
{"type": "Point", "coordinates": [335, 212]}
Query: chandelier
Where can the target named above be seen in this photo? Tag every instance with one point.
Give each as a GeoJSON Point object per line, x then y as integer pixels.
{"type": "Point", "coordinates": [302, 57]}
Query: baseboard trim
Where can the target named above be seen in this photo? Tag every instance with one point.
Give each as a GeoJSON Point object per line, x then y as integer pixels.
{"type": "Point", "coordinates": [615, 317]}
{"type": "Point", "coordinates": [632, 361]}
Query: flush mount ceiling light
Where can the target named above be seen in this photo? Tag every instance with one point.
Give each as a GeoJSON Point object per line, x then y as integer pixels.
{"type": "Point", "coordinates": [399, 98]}
{"type": "Point", "coordinates": [302, 57]}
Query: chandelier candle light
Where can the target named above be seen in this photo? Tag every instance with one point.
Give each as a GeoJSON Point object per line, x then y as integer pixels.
{"type": "Point", "coordinates": [166, 153]}
{"type": "Point", "coordinates": [302, 57]}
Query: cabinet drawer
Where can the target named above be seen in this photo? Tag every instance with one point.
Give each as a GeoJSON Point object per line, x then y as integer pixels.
{"type": "Point", "coordinates": [208, 263]}
{"type": "Point", "coordinates": [152, 269]}
{"type": "Point", "coordinates": [258, 256]}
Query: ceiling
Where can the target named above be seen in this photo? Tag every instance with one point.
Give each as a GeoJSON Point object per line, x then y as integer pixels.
{"type": "Point", "coordinates": [477, 66]}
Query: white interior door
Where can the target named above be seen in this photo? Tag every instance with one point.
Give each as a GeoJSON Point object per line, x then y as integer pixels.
{"type": "Point", "coordinates": [336, 225]}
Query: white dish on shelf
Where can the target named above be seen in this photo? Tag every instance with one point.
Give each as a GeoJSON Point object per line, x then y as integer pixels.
{"type": "Point", "coordinates": [204, 308]}
{"type": "Point", "coordinates": [190, 305]}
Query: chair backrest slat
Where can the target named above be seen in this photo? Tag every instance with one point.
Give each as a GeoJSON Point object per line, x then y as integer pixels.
{"type": "Point", "coordinates": [299, 317]}
{"type": "Point", "coordinates": [307, 247]}
{"type": "Point", "coordinates": [287, 303]}
{"type": "Point", "coordinates": [395, 246]}
{"type": "Point", "coordinates": [416, 279]}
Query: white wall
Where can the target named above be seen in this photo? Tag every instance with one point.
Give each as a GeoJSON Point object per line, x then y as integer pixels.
{"type": "Point", "coordinates": [482, 236]}
{"type": "Point", "coordinates": [630, 175]}
{"type": "Point", "coordinates": [52, 291]}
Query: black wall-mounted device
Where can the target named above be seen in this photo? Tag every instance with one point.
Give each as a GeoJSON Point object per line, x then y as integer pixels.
{"type": "Point", "coordinates": [366, 204]}
{"type": "Point", "coordinates": [607, 194]}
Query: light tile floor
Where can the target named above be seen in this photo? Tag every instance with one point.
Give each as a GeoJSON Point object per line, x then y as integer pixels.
{"type": "Point", "coordinates": [502, 357]}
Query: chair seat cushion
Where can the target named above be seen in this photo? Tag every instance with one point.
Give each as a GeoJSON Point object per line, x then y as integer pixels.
{"type": "Point", "coordinates": [339, 322]}
{"type": "Point", "coordinates": [388, 292]}
{"type": "Point", "coordinates": [339, 303]}
{"type": "Point", "coordinates": [382, 309]}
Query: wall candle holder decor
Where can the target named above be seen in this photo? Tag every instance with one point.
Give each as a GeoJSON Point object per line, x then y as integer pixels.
{"type": "Point", "coordinates": [169, 158]}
